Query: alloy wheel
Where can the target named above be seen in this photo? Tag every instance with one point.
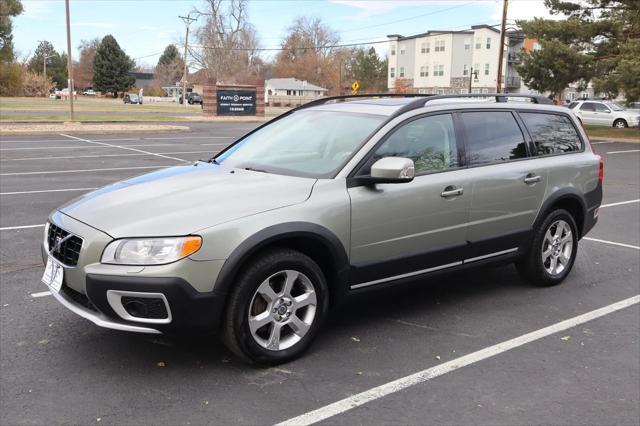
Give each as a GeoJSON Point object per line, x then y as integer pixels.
{"type": "Point", "coordinates": [557, 247]}
{"type": "Point", "coordinates": [282, 310]}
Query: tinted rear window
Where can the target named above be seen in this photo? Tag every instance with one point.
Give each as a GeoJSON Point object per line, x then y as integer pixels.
{"type": "Point", "coordinates": [493, 137]}
{"type": "Point", "coordinates": [552, 133]}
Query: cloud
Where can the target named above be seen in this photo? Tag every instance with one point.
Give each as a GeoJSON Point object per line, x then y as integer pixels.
{"type": "Point", "coordinates": [38, 9]}
{"type": "Point", "coordinates": [107, 25]}
{"type": "Point", "coordinates": [370, 8]}
{"type": "Point", "coordinates": [522, 10]}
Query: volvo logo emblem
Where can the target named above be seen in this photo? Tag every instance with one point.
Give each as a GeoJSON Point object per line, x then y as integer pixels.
{"type": "Point", "coordinates": [58, 243]}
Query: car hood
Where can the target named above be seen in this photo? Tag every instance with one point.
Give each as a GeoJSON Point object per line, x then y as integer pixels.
{"type": "Point", "coordinates": [182, 200]}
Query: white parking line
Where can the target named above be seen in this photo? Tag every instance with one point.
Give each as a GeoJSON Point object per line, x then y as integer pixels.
{"type": "Point", "coordinates": [398, 385]}
{"type": "Point", "coordinates": [83, 170]}
{"type": "Point", "coordinates": [623, 152]}
{"type": "Point", "coordinates": [41, 294]}
{"type": "Point", "coordinates": [41, 191]}
{"type": "Point", "coordinates": [613, 243]}
{"type": "Point", "coordinates": [620, 203]}
{"type": "Point", "coordinates": [176, 138]}
{"type": "Point", "coordinates": [44, 148]}
{"type": "Point", "coordinates": [124, 147]}
{"type": "Point", "coordinates": [70, 157]}
{"type": "Point", "coordinates": [12, 228]}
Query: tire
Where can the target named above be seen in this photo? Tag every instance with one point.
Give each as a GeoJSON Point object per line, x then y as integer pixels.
{"type": "Point", "coordinates": [190, 102]}
{"type": "Point", "coordinates": [256, 307]}
{"type": "Point", "coordinates": [620, 123]}
{"type": "Point", "coordinates": [551, 245]}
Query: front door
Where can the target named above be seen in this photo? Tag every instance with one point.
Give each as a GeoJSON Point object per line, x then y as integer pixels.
{"type": "Point", "coordinates": [402, 230]}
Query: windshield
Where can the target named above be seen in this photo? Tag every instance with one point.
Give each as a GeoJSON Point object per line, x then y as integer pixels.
{"type": "Point", "coordinates": [614, 106]}
{"type": "Point", "coordinates": [307, 143]}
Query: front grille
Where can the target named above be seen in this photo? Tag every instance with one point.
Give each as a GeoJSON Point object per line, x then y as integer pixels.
{"type": "Point", "coordinates": [69, 250]}
{"type": "Point", "coordinates": [145, 307]}
{"type": "Point", "coordinates": [79, 298]}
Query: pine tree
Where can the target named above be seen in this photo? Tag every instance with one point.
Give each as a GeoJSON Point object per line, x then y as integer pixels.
{"type": "Point", "coordinates": [112, 68]}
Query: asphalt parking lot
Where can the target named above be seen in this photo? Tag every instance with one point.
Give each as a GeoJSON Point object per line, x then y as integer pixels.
{"type": "Point", "coordinates": [57, 368]}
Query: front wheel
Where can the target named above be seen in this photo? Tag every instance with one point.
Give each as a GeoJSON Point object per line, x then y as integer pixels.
{"type": "Point", "coordinates": [276, 308]}
{"type": "Point", "coordinates": [620, 123]}
{"type": "Point", "coordinates": [553, 250]}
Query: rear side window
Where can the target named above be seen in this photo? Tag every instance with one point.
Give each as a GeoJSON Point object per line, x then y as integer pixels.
{"type": "Point", "coordinates": [551, 134]}
{"type": "Point", "coordinates": [588, 106]}
{"type": "Point", "coordinates": [572, 105]}
{"type": "Point", "coordinates": [492, 137]}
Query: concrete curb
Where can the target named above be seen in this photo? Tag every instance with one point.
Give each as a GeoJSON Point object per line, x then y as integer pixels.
{"type": "Point", "coordinates": [90, 129]}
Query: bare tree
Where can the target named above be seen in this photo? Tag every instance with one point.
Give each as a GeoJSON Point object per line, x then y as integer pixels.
{"type": "Point", "coordinates": [228, 42]}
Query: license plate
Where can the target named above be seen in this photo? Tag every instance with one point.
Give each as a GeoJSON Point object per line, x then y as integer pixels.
{"type": "Point", "coordinates": [53, 274]}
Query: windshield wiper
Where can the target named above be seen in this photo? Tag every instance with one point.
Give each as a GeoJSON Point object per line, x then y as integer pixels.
{"type": "Point", "coordinates": [251, 169]}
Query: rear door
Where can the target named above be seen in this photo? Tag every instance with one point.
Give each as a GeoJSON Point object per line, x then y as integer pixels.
{"type": "Point", "coordinates": [507, 189]}
{"type": "Point", "coordinates": [401, 230]}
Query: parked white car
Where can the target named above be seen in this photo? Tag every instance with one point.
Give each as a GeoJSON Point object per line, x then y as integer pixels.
{"type": "Point", "coordinates": [89, 92]}
{"type": "Point", "coordinates": [604, 113]}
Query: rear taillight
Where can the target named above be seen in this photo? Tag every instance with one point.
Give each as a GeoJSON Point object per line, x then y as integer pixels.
{"type": "Point", "coordinates": [601, 171]}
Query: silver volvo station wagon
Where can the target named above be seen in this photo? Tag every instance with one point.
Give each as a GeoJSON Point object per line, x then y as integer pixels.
{"type": "Point", "coordinates": [338, 196]}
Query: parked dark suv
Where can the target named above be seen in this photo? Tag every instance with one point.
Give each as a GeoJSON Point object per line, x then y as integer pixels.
{"type": "Point", "coordinates": [333, 198]}
{"type": "Point", "coordinates": [192, 98]}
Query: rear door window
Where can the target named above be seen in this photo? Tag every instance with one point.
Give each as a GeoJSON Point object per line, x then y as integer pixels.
{"type": "Point", "coordinates": [588, 106]}
{"type": "Point", "coordinates": [551, 133]}
{"type": "Point", "coordinates": [492, 137]}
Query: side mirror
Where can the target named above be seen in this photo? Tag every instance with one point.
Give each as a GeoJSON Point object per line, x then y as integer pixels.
{"type": "Point", "coordinates": [393, 170]}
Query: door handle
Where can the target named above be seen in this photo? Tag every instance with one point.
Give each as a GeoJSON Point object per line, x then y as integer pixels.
{"type": "Point", "coordinates": [532, 178]}
{"type": "Point", "coordinates": [452, 191]}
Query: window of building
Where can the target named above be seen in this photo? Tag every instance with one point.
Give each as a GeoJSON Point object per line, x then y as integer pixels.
{"type": "Point", "coordinates": [476, 67]}
{"type": "Point", "coordinates": [493, 137]}
{"type": "Point", "coordinates": [464, 91]}
{"type": "Point", "coordinates": [478, 43]}
{"type": "Point", "coordinates": [392, 72]}
{"type": "Point", "coordinates": [488, 42]}
{"type": "Point", "coordinates": [402, 51]}
{"type": "Point", "coordinates": [423, 71]}
{"type": "Point", "coordinates": [467, 43]}
{"type": "Point", "coordinates": [401, 72]}
{"type": "Point", "coordinates": [465, 69]}
{"type": "Point", "coordinates": [439, 46]}
{"type": "Point", "coordinates": [486, 69]}
{"type": "Point", "coordinates": [438, 70]}
{"type": "Point", "coordinates": [423, 48]}
{"type": "Point", "coordinates": [485, 90]}
{"type": "Point", "coordinates": [429, 141]}
{"type": "Point", "coordinates": [551, 133]}
{"type": "Point", "coordinates": [393, 50]}
{"type": "Point", "coordinates": [288, 92]}
{"type": "Point", "coordinates": [475, 90]}
{"type": "Point", "coordinates": [440, 91]}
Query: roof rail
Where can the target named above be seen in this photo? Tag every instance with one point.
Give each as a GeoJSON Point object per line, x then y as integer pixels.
{"type": "Point", "coordinates": [499, 97]}
{"type": "Point", "coordinates": [322, 101]}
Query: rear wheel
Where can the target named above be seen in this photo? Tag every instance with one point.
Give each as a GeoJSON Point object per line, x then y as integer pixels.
{"type": "Point", "coordinates": [276, 308]}
{"type": "Point", "coordinates": [552, 252]}
{"type": "Point", "coordinates": [620, 123]}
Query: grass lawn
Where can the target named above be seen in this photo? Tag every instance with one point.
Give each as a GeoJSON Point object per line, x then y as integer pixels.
{"type": "Point", "coordinates": [613, 133]}
{"type": "Point", "coordinates": [87, 104]}
{"type": "Point", "coordinates": [17, 118]}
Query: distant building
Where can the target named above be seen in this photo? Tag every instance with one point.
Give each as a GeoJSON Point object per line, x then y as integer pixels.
{"type": "Point", "coordinates": [291, 91]}
{"type": "Point", "coordinates": [442, 62]}
{"type": "Point", "coordinates": [143, 79]}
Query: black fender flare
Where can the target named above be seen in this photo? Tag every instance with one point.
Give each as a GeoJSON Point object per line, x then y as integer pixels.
{"type": "Point", "coordinates": [275, 233]}
{"type": "Point", "coordinates": [568, 193]}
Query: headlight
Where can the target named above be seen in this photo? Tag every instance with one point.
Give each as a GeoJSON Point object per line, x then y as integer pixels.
{"type": "Point", "coordinates": [150, 251]}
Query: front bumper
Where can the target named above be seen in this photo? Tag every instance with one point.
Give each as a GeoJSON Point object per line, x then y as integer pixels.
{"type": "Point", "coordinates": [96, 291]}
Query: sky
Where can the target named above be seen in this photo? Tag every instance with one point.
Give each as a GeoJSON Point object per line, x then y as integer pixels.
{"type": "Point", "coordinates": [144, 28]}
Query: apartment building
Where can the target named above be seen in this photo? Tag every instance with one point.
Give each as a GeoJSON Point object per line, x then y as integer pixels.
{"type": "Point", "coordinates": [455, 62]}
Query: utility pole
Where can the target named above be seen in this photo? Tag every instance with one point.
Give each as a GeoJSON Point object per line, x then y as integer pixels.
{"type": "Point", "coordinates": [187, 21]}
{"type": "Point", "coordinates": [69, 63]}
{"type": "Point", "coordinates": [501, 53]}
{"type": "Point", "coordinates": [44, 67]}
{"type": "Point", "coordinates": [471, 75]}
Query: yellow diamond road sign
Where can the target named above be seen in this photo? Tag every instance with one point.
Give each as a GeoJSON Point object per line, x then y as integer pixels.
{"type": "Point", "coordinates": [355, 86]}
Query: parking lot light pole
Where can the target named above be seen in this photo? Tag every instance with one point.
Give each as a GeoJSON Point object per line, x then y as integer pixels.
{"type": "Point", "coordinates": [69, 63]}
{"type": "Point", "coordinates": [187, 21]}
